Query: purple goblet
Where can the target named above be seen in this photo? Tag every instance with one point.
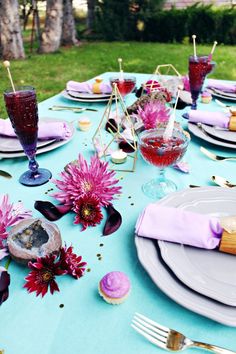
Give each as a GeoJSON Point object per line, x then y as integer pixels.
{"type": "Point", "coordinates": [21, 106]}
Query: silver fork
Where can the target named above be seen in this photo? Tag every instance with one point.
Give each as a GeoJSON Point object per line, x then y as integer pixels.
{"type": "Point", "coordinates": [169, 339]}
{"type": "Point", "coordinates": [215, 157]}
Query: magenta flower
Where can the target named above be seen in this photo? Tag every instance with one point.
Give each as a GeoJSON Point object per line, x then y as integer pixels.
{"type": "Point", "coordinates": [186, 83]}
{"type": "Point", "coordinates": [10, 214]}
{"type": "Point", "coordinates": [153, 113]}
{"type": "Point", "coordinates": [82, 179]}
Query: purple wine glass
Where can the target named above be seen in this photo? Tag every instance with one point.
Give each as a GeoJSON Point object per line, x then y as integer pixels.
{"type": "Point", "coordinates": [21, 106]}
{"type": "Point", "coordinates": [199, 67]}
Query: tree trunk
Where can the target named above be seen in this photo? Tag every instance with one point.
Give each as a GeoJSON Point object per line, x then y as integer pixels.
{"type": "Point", "coordinates": [90, 15]}
{"type": "Point", "coordinates": [10, 33]}
{"type": "Point", "coordinates": [51, 36]}
{"type": "Point", "coordinates": [68, 25]}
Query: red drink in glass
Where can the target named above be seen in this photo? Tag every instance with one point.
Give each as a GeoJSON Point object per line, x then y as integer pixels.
{"type": "Point", "coordinates": [124, 84]}
{"type": "Point", "coordinates": [23, 113]}
{"type": "Point", "coordinates": [21, 106]}
{"type": "Point", "coordinates": [199, 67]}
{"type": "Point", "coordinates": [161, 153]}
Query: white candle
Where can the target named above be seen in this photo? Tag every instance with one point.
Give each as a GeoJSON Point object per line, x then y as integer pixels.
{"type": "Point", "coordinates": [118, 156]}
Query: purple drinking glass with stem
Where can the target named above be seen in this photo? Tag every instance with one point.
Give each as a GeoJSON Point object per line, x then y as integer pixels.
{"type": "Point", "coordinates": [199, 67]}
{"type": "Point", "coordinates": [21, 106]}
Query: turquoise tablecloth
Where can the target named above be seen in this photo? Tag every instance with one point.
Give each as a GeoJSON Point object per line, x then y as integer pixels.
{"type": "Point", "coordinates": [86, 324]}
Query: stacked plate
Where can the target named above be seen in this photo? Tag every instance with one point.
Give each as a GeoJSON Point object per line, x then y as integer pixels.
{"type": "Point", "coordinates": [11, 147]}
{"type": "Point", "coordinates": [214, 135]}
{"type": "Point", "coordinates": [228, 96]}
{"type": "Point", "coordinates": [201, 280]}
{"type": "Point", "coordinates": [85, 97]}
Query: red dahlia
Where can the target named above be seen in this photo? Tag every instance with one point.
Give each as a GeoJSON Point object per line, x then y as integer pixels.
{"type": "Point", "coordinates": [88, 211]}
{"type": "Point", "coordinates": [42, 275]}
{"type": "Point", "coordinates": [72, 263]}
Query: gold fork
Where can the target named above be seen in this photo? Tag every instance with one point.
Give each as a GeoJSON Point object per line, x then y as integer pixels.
{"type": "Point", "coordinates": [215, 157]}
{"type": "Point", "coordinates": [170, 339]}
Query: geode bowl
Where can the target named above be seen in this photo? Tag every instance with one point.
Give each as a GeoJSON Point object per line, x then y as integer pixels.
{"type": "Point", "coordinates": [32, 238]}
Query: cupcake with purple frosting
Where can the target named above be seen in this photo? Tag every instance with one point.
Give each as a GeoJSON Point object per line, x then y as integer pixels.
{"type": "Point", "coordinates": [114, 287]}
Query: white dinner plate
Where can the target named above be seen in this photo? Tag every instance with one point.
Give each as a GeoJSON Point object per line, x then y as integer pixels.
{"type": "Point", "coordinates": [165, 279]}
{"type": "Point", "coordinates": [88, 98]}
{"type": "Point", "coordinates": [50, 144]}
{"type": "Point", "coordinates": [193, 128]}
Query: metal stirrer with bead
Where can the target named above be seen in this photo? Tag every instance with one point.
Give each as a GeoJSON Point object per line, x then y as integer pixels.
{"type": "Point", "coordinates": [121, 70]}
{"type": "Point", "coordinates": [7, 64]}
{"type": "Point", "coordinates": [194, 45]}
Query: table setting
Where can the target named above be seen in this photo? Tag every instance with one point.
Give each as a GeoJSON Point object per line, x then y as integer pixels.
{"type": "Point", "coordinates": [154, 258]}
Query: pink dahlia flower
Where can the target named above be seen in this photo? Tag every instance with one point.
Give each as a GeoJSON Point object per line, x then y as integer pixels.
{"type": "Point", "coordinates": [10, 214]}
{"type": "Point", "coordinates": [153, 113]}
{"type": "Point", "coordinates": [82, 179]}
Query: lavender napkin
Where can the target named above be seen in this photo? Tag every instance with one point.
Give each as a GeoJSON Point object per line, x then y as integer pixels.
{"type": "Point", "coordinates": [46, 130]}
{"type": "Point", "coordinates": [219, 85]}
{"type": "Point", "coordinates": [180, 226]}
{"type": "Point", "coordinates": [87, 87]}
{"type": "Point", "coordinates": [220, 119]}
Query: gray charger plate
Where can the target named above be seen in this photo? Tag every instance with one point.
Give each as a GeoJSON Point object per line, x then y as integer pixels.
{"type": "Point", "coordinates": [50, 145]}
{"type": "Point", "coordinates": [168, 282]}
{"type": "Point", "coordinates": [193, 128]}
{"type": "Point", "coordinates": [227, 135]}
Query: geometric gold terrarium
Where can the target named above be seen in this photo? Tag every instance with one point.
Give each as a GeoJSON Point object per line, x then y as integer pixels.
{"type": "Point", "coordinates": [116, 130]}
{"type": "Point", "coordinates": [162, 74]}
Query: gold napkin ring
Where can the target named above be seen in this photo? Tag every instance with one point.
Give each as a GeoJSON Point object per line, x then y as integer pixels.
{"type": "Point", "coordinates": [232, 122]}
{"type": "Point", "coordinates": [228, 242]}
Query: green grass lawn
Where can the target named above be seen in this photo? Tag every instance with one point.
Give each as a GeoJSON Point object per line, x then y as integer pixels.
{"type": "Point", "coordinates": [49, 73]}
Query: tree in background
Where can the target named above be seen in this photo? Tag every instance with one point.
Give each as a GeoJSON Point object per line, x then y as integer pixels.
{"type": "Point", "coordinates": [68, 36]}
{"type": "Point", "coordinates": [90, 15]}
{"type": "Point", "coordinates": [11, 41]}
{"type": "Point", "coordinates": [52, 33]}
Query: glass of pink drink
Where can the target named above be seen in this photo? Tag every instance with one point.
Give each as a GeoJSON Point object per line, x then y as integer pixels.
{"type": "Point", "coordinates": [125, 83]}
{"type": "Point", "coordinates": [22, 110]}
{"type": "Point", "coordinates": [199, 68]}
{"type": "Point", "coordinates": [161, 153]}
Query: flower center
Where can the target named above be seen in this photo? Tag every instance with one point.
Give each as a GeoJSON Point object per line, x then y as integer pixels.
{"type": "Point", "coordinates": [88, 212]}
{"type": "Point", "coordinates": [47, 276]}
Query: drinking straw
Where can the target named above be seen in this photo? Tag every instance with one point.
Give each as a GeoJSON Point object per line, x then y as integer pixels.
{"type": "Point", "coordinates": [7, 64]}
{"type": "Point", "coordinates": [194, 45]}
{"type": "Point", "coordinates": [120, 68]}
{"type": "Point", "coordinates": [170, 125]}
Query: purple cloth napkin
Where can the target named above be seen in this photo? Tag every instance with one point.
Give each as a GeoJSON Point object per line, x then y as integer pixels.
{"type": "Point", "coordinates": [47, 130]}
{"type": "Point", "coordinates": [220, 119]}
{"type": "Point", "coordinates": [87, 87]}
{"type": "Point", "coordinates": [180, 226]}
{"type": "Point", "coordinates": [219, 85]}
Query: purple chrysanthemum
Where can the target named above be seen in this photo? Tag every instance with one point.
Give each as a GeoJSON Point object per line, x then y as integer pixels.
{"type": "Point", "coordinates": [82, 179]}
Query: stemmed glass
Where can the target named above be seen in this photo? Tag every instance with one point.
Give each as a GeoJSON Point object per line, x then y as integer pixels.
{"type": "Point", "coordinates": [125, 83]}
{"type": "Point", "coordinates": [199, 67]}
{"type": "Point", "coordinates": [21, 106]}
{"type": "Point", "coordinates": [162, 153]}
